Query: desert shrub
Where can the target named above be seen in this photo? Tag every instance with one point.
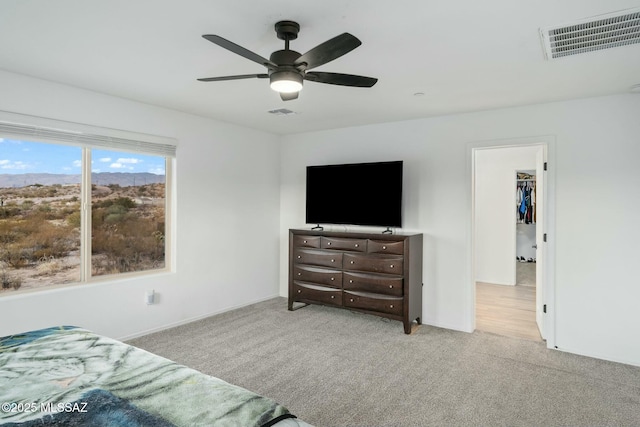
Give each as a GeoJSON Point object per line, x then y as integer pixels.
{"type": "Point", "coordinates": [45, 208]}
{"type": "Point", "coordinates": [8, 212]}
{"type": "Point", "coordinates": [48, 266]}
{"type": "Point", "coordinates": [125, 202]}
{"type": "Point", "coordinates": [14, 255]}
{"type": "Point", "coordinates": [25, 241]}
{"type": "Point", "coordinates": [73, 219]}
{"type": "Point", "coordinates": [115, 214]}
{"type": "Point", "coordinates": [8, 232]}
{"type": "Point", "coordinates": [127, 241]}
{"type": "Point", "coordinates": [8, 281]}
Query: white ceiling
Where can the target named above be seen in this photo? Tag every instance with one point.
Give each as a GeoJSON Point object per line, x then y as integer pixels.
{"type": "Point", "coordinates": [464, 55]}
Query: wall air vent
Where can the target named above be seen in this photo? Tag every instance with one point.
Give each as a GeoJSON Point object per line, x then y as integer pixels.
{"type": "Point", "coordinates": [597, 33]}
{"type": "Point", "coordinates": [281, 112]}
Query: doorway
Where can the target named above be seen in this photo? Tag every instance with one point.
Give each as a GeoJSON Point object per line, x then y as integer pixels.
{"type": "Point", "coordinates": [502, 303]}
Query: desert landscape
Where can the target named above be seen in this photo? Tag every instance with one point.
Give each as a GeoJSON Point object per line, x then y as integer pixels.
{"type": "Point", "coordinates": [40, 231]}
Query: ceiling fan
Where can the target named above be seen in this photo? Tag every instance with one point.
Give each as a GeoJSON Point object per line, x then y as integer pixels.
{"type": "Point", "coordinates": [287, 69]}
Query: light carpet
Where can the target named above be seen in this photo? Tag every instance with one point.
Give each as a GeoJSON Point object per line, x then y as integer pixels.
{"type": "Point", "coordinates": [333, 367]}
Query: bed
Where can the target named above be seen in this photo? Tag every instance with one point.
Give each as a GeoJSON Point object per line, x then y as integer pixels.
{"type": "Point", "coordinates": [69, 376]}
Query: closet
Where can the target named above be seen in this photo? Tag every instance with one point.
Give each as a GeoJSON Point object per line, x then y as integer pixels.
{"type": "Point", "coordinates": [525, 227]}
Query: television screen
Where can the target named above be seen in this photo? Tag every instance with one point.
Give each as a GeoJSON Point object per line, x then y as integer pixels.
{"type": "Point", "coordinates": [355, 194]}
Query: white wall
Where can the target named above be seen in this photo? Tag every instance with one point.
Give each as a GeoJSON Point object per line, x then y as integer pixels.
{"type": "Point", "coordinates": [596, 282]}
{"type": "Point", "coordinates": [495, 211]}
{"type": "Point", "coordinates": [235, 186]}
{"type": "Point", "coordinates": [227, 219]}
{"type": "Point", "coordinates": [525, 239]}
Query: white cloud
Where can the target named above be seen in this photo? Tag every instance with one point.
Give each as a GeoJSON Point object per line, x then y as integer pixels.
{"type": "Point", "coordinates": [130, 160]}
{"type": "Point", "coordinates": [118, 165]}
{"type": "Point", "coordinates": [7, 164]}
{"type": "Point", "coordinates": [156, 171]}
{"type": "Point", "coordinates": [105, 159]}
{"type": "Point", "coordinates": [77, 163]}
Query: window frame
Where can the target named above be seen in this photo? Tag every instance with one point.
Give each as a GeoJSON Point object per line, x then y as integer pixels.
{"type": "Point", "coordinates": [43, 130]}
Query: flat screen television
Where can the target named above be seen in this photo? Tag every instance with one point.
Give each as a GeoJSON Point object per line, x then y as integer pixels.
{"type": "Point", "coordinates": [355, 194]}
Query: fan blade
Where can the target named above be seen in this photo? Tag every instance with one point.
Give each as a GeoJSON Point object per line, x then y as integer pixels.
{"type": "Point", "coordinates": [242, 76]}
{"type": "Point", "coordinates": [328, 51]}
{"type": "Point", "coordinates": [340, 79]}
{"type": "Point", "coordinates": [239, 50]}
{"type": "Point", "coordinates": [289, 96]}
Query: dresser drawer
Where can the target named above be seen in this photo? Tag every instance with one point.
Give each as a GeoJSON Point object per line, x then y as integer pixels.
{"type": "Point", "coordinates": [388, 265]}
{"type": "Point", "coordinates": [355, 245]}
{"type": "Point", "coordinates": [382, 247]}
{"type": "Point", "coordinates": [322, 258]}
{"type": "Point", "coordinates": [306, 241]}
{"type": "Point", "coordinates": [306, 292]}
{"type": "Point", "coordinates": [379, 303]}
{"type": "Point", "coordinates": [378, 284]}
{"type": "Point", "coordinates": [322, 276]}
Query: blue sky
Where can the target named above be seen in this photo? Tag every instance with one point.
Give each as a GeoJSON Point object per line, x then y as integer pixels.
{"type": "Point", "coordinates": [18, 157]}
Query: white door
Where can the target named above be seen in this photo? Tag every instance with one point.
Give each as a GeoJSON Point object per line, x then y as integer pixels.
{"type": "Point", "coordinates": [540, 246]}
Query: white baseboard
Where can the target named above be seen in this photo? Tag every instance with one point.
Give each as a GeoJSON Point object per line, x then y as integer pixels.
{"type": "Point", "coordinates": [193, 319]}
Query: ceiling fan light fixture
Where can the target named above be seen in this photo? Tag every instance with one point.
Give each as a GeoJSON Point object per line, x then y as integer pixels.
{"type": "Point", "coordinates": [286, 81]}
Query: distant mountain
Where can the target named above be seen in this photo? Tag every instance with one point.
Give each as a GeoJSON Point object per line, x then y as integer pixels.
{"type": "Point", "coordinates": [123, 179]}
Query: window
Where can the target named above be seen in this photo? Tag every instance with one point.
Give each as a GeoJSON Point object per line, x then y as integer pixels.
{"type": "Point", "coordinates": [48, 239]}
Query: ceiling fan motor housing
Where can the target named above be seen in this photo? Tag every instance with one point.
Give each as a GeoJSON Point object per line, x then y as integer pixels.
{"type": "Point", "coordinates": [284, 57]}
{"type": "Point", "coordinates": [286, 70]}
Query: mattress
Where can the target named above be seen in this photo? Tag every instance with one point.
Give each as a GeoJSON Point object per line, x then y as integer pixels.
{"type": "Point", "coordinates": [69, 376]}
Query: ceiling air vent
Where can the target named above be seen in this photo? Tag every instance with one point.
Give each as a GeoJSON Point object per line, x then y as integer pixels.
{"type": "Point", "coordinates": [281, 112]}
{"type": "Point", "coordinates": [597, 33]}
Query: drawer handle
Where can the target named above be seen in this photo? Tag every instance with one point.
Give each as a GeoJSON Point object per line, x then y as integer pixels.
{"type": "Point", "coordinates": [391, 265]}
{"type": "Point", "coordinates": [351, 299]}
{"type": "Point", "coordinates": [299, 274]}
{"type": "Point", "coordinates": [350, 281]}
{"type": "Point", "coordinates": [304, 241]}
{"type": "Point", "coordinates": [333, 260]}
{"type": "Point", "coordinates": [357, 245]}
{"type": "Point", "coordinates": [384, 248]}
{"type": "Point", "coordinates": [390, 286]}
{"type": "Point", "coordinates": [333, 296]}
{"type": "Point", "coordinates": [299, 257]}
{"type": "Point", "coordinates": [329, 244]}
{"type": "Point", "coordinates": [332, 279]}
{"type": "Point", "coordinates": [353, 262]}
{"type": "Point", "coordinates": [299, 291]}
{"type": "Point", "coordinates": [391, 306]}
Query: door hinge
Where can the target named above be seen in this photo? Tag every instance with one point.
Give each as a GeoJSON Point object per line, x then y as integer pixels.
{"type": "Point", "coordinates": [545, 165]}
{"type": "Point", "coordinates": [544, 237]}
{"type": "Point", "coordinates": [544, 308]}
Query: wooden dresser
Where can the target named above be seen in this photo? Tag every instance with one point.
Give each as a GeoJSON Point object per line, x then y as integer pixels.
{"type": "Point", "coordinates": [379, 274]}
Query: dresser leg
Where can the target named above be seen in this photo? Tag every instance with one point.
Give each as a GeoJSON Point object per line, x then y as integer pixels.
{"type": "Point", "coordinates": [407, 325]}
{"type": "Point", "coordinates": [292, 308]}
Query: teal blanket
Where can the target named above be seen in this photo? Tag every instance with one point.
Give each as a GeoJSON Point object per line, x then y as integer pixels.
{"type": "Point", "coordinates": [68, 376]}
